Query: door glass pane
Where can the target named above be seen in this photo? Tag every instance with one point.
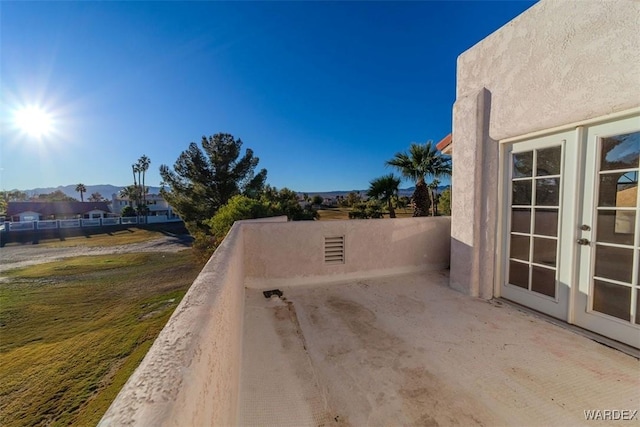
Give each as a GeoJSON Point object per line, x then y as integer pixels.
{"type": "Point", "coordinates": [521, 220]}
{"type": "Point", "coordinates": [548, 162]}
{"type": "Point", "coordinates": [543, 281]}
{"type": "Point", "coordinates": [519, 247]}
{"type": "Point", "coordinates": [522, 192]}
{"type": "Point", "coordinates": [522, 164]}
{"type": "Point", "coordinates": [544, 251]}
{"type": "Point", "coordinates": [611, 299]}
{"type": "Point", "coordinates": [618, 190]}
{"type": "Point", "coordinates": [620, 151]}
{"type": "Point", "coordinates": [616, 226]}
{"type": "Point", "coordinates": [627, 190]}
{"type": "Point", "coordinates": [638, 307]}
{"type": "Point", "coordinates": [548, 191]}
{"type": "Point", "coordinates": [546, 222]}
{"type": "Point", "coordinates": [519, 274]}
{"type": "Point", "coordinates": [614, 263]}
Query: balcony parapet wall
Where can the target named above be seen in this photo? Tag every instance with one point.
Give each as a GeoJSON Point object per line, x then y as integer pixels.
{"type": "Point", "coordinates": [292, 253]}
{"type": "Point", "coordinates": [191, 374]}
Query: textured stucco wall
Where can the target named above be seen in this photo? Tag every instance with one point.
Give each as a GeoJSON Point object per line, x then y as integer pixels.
{"type": "Point", "coordinates": [293, 253]}
{"type": "Point", "coordinates": [557, 63]}
{"type": "Point", "coordinates": [191, 374]}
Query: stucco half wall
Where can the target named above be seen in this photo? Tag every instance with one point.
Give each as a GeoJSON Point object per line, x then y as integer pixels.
{"type": "Point", "coordinates": [292, 253]}
{"type": "Point", "coordinates": [191, 374]}
{"type": "Point", "coordinates": [558, 63]}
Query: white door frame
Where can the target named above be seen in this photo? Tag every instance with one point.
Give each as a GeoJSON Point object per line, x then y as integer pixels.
{"type": "Point", "coordinates": [557, 306]}
{"type": "Point", "coordinates": [582, 294]}
{"type": "Point", "coordinates": [572, 205]}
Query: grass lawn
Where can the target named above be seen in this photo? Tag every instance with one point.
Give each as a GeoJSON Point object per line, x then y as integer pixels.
{"type": "Point", "coordinates": [114, 238]}
{"type": "Point", "coordinates": [328, 214]}
{"type": "Point", "coordinates": [73, 331]}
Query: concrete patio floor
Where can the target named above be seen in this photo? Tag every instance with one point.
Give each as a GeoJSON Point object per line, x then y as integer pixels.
{"type": "Point", "coordinates": [408, 350]}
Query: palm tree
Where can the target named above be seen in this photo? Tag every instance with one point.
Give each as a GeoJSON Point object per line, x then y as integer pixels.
{"type": "Point", "coordinates": [385, 189]}
{"type": "Point", "coordinates": [129, 193]}
{"type": "Point", "coordinates": [80, 188]}
{"type": "Point", "coordinates": [135, 169]}
{"type": "Point", "coordinates": [143, 164]}
{"type": "Point", "coordinates": [433, 194]}
{"type": "Point", "coordinates": [423, 160]}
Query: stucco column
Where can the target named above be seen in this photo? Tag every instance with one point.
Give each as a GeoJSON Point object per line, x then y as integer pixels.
{"type": "Point", "coordinates": [474, 197]}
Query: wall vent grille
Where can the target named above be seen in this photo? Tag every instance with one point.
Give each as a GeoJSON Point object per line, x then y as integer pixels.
{"type": "Point", "coordinates": [334, 250]}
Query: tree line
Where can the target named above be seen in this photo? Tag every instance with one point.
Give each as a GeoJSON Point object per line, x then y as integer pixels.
{"type": "Point", "coordinates": [213, 184]}
{"type": "Point", "coordinates": [420, 163]}
{"type": "Point", "coordinates": [54, 196]}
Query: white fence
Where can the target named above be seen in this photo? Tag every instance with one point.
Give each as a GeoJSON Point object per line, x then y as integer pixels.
{"type": "Point", "coordinates": [69, 223]}
{"type": "Point", "coordinates": [91, 222]}
{"type": "Point", "coordinates": [77, 223]}
{"type": "Point", "coordinates": [44, 225]}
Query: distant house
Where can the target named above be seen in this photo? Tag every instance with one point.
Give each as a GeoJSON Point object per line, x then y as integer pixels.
{"type": "Point", "coordinates": [157, 205]}
{"type": "Point", "coordinates": [39, 211]}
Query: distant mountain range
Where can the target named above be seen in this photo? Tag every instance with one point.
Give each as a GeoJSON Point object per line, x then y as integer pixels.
{"type": "Point", "coordinates": [106, 190]}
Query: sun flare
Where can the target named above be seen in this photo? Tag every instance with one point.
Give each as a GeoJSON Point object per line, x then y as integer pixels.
{"type": "Point", "coordinates": [34, 121]}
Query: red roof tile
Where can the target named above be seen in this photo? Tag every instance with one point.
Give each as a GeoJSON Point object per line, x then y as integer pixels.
{"type": "Point", "coordinates": [444, 143]}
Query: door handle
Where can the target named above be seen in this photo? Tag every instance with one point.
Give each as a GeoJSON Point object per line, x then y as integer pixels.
{"type": "Point", "coordinates": [583, 242]}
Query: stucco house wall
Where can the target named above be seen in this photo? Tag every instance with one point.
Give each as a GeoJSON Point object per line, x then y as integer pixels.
{"type": "Point", "coordinates": [557, 63]}
{"type": "Point", "coordinates": [29, 216]}
{"type": "Point", "coordinates": [156, 203]}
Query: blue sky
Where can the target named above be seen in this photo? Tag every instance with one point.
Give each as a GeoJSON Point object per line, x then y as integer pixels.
{"type": "Point", "coordinates": [323, 92]}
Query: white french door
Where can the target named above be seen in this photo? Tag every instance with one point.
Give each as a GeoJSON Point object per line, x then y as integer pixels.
{"type": "Point", "coordinates": [571, 227]}
{"type": "Point", "coordinates": [536, 181]}
{"type": "Point", "coordinates": [607, 298]}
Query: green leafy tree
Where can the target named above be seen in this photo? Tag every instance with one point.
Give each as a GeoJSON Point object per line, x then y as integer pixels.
{"type": "Point", "coordinates": [238, 208]}
{"type": "Point", "coordinates": [444, 202]}
{"type": "Point", "coordinates": [365, 210]}
{"type": "Point", "coordinates": [128, 211]}
{"type": "Point", "coordinates": [204, 180]}
{"type": "Point", "coordinates": [16, 196]}
{"type": "Point", "coordinates": [272, 202]}
{"type": "Point", "coordinates": [80, 188]}
{"type": "Point", "coordinates": [352, 199]}
{"type": "Point", "coordinates": [56, 196]}
{"type": "Point", "coordinates": [423, 161]}
{"type": "Point", "coordinates": [385, 189]}
{"type": "Point", "coordinates": [11, 196]}
{"type": "Point", "coordinates": [317, 200]}
{"type": "Point", "coordinates": [96, 197]}
{"type": "Point", "coordinates": [285, 202]}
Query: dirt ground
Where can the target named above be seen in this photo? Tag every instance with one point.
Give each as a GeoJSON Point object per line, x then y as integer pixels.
{"type": "Point", "coordinates": [21, 256]}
